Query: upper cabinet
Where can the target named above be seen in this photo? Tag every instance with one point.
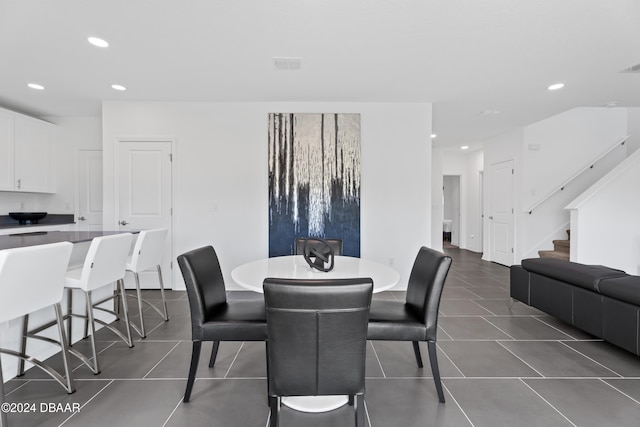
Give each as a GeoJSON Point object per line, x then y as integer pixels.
{"type": "Point", "coordinates": [6, 150]}
{"type": "Point", "coordinates": [27, 153]}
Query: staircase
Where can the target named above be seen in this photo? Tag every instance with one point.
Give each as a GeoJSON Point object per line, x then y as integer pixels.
{"type": "Point", "coordinates": [560, 249]}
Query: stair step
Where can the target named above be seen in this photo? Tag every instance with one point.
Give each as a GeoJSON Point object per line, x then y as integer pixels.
{"type": "Point", "coordinates": [554, 254]}
{"type": "Point", "coordinates": [562, 245]}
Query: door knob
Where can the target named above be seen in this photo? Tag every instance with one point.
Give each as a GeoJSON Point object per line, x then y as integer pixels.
{"type": "Point", "coordinates": [82, 218]}
{"type": "Point", "coordinates": [490, 217]}
{"type": "Point", "coordinates": [123, 222]}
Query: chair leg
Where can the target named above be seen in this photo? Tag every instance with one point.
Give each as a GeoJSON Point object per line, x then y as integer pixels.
{"type": "Point", "coordinates": [65, 349]}
{"type": "Point", "coordinates": [195, 357]}
{"type": "Point", "coordinates": [86, 319]}
{"type": "Point", "coordinates": [23, 343]}
{"type": "Point", "coordinates": [90, 323]}
{"type": "Point", "coordinates": [125, 311]}
{"type": "Point", "coordinates": [214, 353]}
{"type": "Point", "coordinates": [69, 317]}
{"type": "Point", "coordinates": [359, 409]}
{"type": "Point", "coordinates": [164, 300]}
{"type": "Point", "coordinates": [274, 405]}
{"type": "Point", "coordinates": [433, 359]}
{"type": "Point", "coordinates": [3, 414]}
{"type": "Point", "coordinates": [142, 331]}
{"type": "Point", "coordinates": [416, 351]}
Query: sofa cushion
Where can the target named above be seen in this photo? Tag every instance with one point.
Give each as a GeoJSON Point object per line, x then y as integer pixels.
{"type": "Point", "coordinates": [585, 276]}
{"type": "Point", "coordinates": [625, 289]}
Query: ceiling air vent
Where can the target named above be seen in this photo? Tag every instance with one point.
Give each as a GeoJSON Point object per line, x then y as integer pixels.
{"type": "Point", "coordinates": [290, 64]}
{"type": "Point", "coordinates": [632, 69]}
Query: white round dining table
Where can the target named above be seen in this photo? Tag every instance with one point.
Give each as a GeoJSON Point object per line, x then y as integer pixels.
{"type": "Point", "coordinates": [251, 275]}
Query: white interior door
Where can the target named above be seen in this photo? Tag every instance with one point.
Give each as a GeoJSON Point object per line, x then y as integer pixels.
{"type": "Point", "coordinates": [89, 190]}
{"type": "Point", "coordinates": [501, 213]}
{"type": "Point", "coordinates": [144, 196]}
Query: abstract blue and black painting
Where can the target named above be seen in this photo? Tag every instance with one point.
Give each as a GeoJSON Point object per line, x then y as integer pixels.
{"type": "Point", "coordinates": [314, 180]}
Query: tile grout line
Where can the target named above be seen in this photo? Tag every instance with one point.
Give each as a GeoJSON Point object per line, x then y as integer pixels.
{"type": "Point", "coordinates": [618, 390]}
{"type": "Point", "coordinates": [384, 375]}
{"type": "Point", "coordinates": [173, 412]}
{"type": "Point", "coordinates": [591, 359]}
{"type": "Point", "coordinates": [521, 359]}
{"type": "Point", "coordinates": [458, 404]}
{"type": "Point", "coordinates": [557, 329]}
{"type": "Point", "coordinates": [548, 403]}
{"type": "Point", "coordinates": [233, 361]}
{"type": "Point", "coordinates": [86, 403]}
{"type": "Point", "coordinates": [144, 377]}
{"type": "Point", "coordinates": [451, 360]}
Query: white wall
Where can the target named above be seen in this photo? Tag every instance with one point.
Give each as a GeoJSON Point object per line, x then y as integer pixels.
{"type": "Point", "coordinates": [473, 201]}
{"type": "Point", "coordinates": [221, 157]}
{"type": "Point", "coordinates": [567, 143]}
{"type": "Point", "coordinates": [604, 220]}
{"type": "Point", "coordinates": [555, 149]}
{"type": "Point", "coordinates": [633, 122]}
{"type": "Point", "coordinates": [437, 209]}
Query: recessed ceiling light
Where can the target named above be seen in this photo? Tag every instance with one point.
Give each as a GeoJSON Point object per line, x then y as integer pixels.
{"type": "Point", "coordinates": [118, 87]}
{"type": "Point", "coordinates": [433, 135]}
{"type": "Point", "coordinates": [35, 86]}
{"type": "Point", "coordinates": [464, 147]}
{"type": "Point", "coordinates": [98, 42]}
{"type": "Point", "coordinates": [556, 86]}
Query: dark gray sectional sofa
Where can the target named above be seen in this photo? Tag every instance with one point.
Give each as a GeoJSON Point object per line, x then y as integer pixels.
{"type": "Point", "coordinates": [602, 301]}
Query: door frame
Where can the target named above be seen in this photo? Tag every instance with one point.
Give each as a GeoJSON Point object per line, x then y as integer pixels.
{"type": "Point", "coordinates": [116, 202]}
{"type": "Point", "coordinates": [76, 208]}
{"type": "Point", "coordinates": [456, 205]}
{"type": "Point", "coordinates": [488, 230]}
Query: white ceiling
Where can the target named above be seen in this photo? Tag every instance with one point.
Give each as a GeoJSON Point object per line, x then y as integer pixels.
{"type": "Point", "coordinates": [464, 56]}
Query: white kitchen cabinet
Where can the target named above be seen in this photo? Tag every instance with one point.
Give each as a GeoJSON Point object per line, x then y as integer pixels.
{"type": "Point", "coordinates": [27, 148]}
{"type": "Point", "coordinates": [6, 151]}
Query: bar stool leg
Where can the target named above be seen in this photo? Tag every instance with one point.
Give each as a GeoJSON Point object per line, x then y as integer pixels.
{"type": "Point", "coordinates": [142, 331]}
{"type": "Point", "coordinates": [69, 316]}
{"type": "Point", "coordinates": [65, 348]}
{"type": "Point", "coordinates": [164, 300]}
{"type": "Point", "coordinates": [3, 414]}
{"type": "Point", "coordinates": [125, 308]}
{"type": "Point", "coordinates": [23, 343]}
{"type": "Point", "coordinates": [89, 308]}
{"type": "Point", "coordinates": [90, 321]}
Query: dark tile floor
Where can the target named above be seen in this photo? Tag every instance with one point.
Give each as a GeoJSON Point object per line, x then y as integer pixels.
{"type": "Point", "coordinates": [503, 364]}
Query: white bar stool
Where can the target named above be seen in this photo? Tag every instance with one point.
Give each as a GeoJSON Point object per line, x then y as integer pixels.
{"type": "Point", "coordinates": [147, 254]}
{"type": "Point", "coordinates": [31, 279]}
{"type": "Point", "coordinates": [104, 264]}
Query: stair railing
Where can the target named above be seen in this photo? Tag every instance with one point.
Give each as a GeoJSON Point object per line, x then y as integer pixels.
{"type": "Point", "coordinates": [561, 187]}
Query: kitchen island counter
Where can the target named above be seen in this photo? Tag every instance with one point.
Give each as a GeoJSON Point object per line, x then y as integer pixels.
{"type": "Point", "coordinates": [20, 240]}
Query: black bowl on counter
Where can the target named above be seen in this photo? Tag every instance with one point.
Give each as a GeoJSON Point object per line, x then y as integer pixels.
{"type": "Point", "coordinates": [27, 217]}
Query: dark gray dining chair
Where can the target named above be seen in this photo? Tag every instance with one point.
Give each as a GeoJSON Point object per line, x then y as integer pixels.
{"type": "Point", "coordinates": [336, 245]}
{"type": "Point", "coordinates": [317, 337]}
{"type": "Point", "coordinates": [213, 318]}
{"type": "Point", "coordinates": [415, 319]}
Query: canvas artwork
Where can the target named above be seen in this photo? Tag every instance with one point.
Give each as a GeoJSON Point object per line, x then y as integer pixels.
{"type": "Point", "coordinates": [314, 180]}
